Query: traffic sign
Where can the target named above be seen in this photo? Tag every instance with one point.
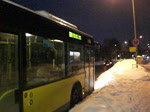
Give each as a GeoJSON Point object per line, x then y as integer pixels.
{"type": "Point", "coordinates": [132, 49]}
{"type": "Point", "coordinates": [135, 42]}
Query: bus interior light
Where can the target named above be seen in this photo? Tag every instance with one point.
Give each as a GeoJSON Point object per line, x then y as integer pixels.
{"type": "Point", "coordinates": [28, 35]}
{"type": "Point", "coordinates": [56, 40]}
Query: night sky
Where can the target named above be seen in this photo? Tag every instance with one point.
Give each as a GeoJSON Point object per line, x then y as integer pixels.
{"type": "Point", "coordinates": [99, 18]}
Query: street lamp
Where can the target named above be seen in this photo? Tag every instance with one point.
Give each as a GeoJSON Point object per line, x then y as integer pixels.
{"type": "Point", "coordinates": [125, 42]}
{"type": "Point", "coordinates": [148, 45]}
{"type": "Point", "coordinates": [134, 20]}
{"type": "Point", "coordinates": [141, 37]}
{"type": "Point", "coordinates": [135, 33]}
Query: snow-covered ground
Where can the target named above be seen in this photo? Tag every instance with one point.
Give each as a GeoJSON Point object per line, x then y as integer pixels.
{"type": "Point", "coordinates": [123, 88]}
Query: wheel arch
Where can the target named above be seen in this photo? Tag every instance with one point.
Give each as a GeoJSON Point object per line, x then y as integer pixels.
{"type": "Point", "coordinates": [77, 85]}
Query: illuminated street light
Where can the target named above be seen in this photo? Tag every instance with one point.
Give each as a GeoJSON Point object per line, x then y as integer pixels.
{"type": "Point", "coordinates": [148, 45]}
{"type": "Point", "coordinates": [140, 37]}
{"type": "Point", "coordinates": [125, 42]}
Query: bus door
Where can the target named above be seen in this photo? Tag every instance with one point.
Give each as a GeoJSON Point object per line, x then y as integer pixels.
{"type": "Point", "coordinates": [92, 70]}
{"type": "Point", "coordinates": [89, 74]}
{"type": "Point", "coordinates": [8, 72]}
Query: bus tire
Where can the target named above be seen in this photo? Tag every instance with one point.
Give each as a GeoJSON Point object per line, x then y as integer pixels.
{"type": "Point", "coordinates": [76, 94]}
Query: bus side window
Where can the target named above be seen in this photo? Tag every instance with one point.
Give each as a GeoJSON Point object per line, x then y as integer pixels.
{"type": "Point", "coordinates": [44, 59]}
{"type": "Point", "coordinates": [75, 64]}
{"type": "Point", "coordinates": [8, 72]}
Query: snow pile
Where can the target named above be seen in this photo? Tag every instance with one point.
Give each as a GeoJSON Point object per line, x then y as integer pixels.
{"type": "Point", "coordinates": [123, 88]}
{"type": "Point", "coordinates": [123, 69]}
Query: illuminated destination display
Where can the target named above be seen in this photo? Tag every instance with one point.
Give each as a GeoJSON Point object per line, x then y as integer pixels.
{"type": "Point", "coordinates": [75, 36]}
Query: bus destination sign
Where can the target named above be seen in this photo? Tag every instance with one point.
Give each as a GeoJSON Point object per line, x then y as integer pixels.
{"type": "Point", "coordinates": [75, 36]}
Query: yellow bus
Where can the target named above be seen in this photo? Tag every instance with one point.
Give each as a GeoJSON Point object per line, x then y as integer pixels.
{"type": "Point", "coordinates": [46, 63]}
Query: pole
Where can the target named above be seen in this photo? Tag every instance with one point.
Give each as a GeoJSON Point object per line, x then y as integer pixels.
{"type": "Point", "coordinates": [135, 33]}
{"type": "Point", "coordinates": [134, 20]}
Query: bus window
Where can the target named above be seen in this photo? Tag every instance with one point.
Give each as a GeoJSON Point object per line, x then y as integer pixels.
{"type": "Point", "coordinates": [75, 63]}
{"type": "Point", "coordinates": [8, 72]}
{"type": "Point", "coordinates": [45, 60]}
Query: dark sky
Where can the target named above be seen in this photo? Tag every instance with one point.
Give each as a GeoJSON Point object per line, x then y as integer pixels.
{"type": "Point", "coordinates": [99, 18]}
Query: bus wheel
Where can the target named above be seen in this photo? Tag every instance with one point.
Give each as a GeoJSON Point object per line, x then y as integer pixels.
{"type": "Point", "coordinates": [76, 94]}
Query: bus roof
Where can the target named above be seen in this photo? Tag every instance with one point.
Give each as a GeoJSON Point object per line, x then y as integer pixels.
{"type": "Point", "coordinates": [50, 17]}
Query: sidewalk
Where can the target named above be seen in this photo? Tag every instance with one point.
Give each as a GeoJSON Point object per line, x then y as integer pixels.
{"type": "Point", "coordinates": [128, 90]}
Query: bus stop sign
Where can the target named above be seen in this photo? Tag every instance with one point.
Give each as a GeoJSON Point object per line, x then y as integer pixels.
{"type": "Point", "coordinates": [135, 42]}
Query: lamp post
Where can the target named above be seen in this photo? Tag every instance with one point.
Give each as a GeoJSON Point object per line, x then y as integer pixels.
{"type": "Point", "coordinates": [134, 20]}
{"type": "Point", "coordinates": [135, 33]}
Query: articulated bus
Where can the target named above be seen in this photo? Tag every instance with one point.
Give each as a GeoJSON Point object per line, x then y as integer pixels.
{"type": "Point", "coordinates": [46, 63]}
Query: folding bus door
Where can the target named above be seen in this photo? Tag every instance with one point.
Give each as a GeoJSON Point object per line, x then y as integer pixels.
{"type": "Point", "coordinates": [89, 70]}
{"type": "Point", "coordinates": [8, 72]}
{"type": "Point", "coordinates": [92, 70]}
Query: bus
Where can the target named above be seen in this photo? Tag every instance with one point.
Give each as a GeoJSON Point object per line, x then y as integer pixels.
{"type": "Point", "coordinates": [46, 63]}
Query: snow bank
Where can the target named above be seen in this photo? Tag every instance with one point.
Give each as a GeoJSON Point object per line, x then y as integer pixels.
{"type": "Point", "coordinates": [123, 69]}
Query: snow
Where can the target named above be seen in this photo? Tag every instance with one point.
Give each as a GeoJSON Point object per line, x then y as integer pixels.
{"type": "Point", "coordinates": [123, 88]}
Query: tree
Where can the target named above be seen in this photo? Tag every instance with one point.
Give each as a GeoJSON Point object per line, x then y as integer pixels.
{"type": "Point", "coordinates": [112, 48]}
